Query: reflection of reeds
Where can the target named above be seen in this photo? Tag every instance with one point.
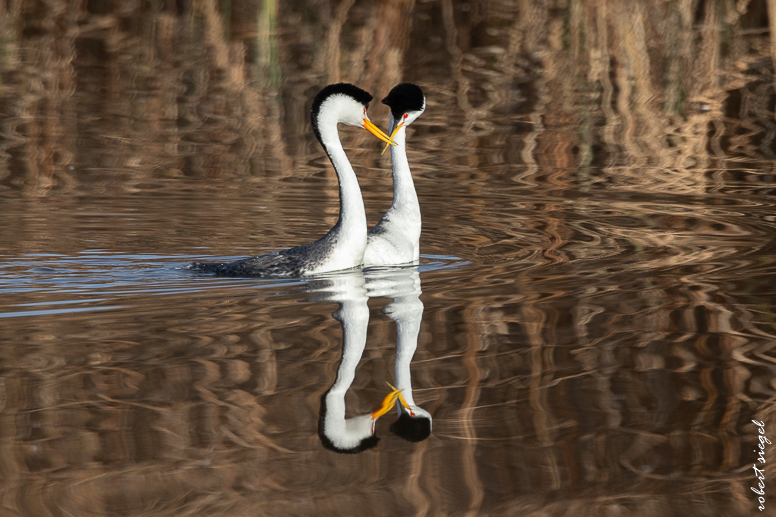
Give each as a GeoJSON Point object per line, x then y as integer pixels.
{"type": "Point", "coordinates": [657, 85]}
{"type": "Point", "coordinates": [108, 83]}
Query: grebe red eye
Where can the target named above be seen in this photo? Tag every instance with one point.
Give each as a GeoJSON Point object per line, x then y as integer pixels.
{"type": "Point", "coordinates": [405, 115]}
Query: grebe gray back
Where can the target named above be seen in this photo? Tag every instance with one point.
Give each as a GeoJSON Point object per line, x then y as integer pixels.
{"type": "Point", "coordinates": [343, 246]}
{"type": "Point", "coordinates": [395, 239]}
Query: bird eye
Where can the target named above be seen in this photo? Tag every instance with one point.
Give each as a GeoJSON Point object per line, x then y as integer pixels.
{"type": "Point", "coordinates": [406, 115]}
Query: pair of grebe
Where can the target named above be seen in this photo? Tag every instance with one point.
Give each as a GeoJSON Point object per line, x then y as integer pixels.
{"type": "Point", "coordinates": [395, 238]}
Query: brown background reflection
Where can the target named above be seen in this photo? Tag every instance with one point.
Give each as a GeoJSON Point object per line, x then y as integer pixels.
{"type": "Point", "coordinates": [605, 168]}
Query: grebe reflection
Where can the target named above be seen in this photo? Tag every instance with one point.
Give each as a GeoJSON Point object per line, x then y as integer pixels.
{"type": "Point", "coordinates": [402, 285]}
{"type": "Point", "coordinates": [338, 433]}
{"type": "Point", "coordinates": [351, 291]}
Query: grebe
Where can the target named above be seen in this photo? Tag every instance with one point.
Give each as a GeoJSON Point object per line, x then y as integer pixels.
{"type": "Point", "coordinates": [343, 247]}
{"type": "Point", "coordinates": [395, 238]}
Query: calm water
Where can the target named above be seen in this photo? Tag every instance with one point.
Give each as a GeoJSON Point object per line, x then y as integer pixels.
{"type": "Point", "coordinates": [591, 327]}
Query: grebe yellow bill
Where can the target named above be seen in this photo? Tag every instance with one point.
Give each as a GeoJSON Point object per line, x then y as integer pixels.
{"type": "Point", "coordinates": [389, 402]}
{"type": "Point", "coordinates": [395, 239]}
{"type": "Point", "coordinates": [343, 246]}
{"type": "Point", "coordinates": [393, 130]}
{"type": "Point", "coordinates": [369, 126]}
{"type": "Point", "coordinates": [354, 434]}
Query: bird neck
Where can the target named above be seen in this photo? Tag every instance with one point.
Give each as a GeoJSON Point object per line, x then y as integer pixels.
{"type": "Point", "coordinates": [352, 217]}
{"type": "Point", "coordinates": [353, 315]}
{"type": "Point", "coordinates": [404, 196]}
{"type": "Point", "coordinates": [407, 312]}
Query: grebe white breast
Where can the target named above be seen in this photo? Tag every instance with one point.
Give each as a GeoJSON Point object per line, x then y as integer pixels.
{"type": "Point", "coordinates": [343, 246]}
{"type": "Point", "coordinates": [395, 239]}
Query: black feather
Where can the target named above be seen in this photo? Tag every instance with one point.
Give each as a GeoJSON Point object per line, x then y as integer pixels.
{"type": "Point", "coordinates": [340, 88]}
{"type": "Point", "coordinates": [412, 429]}
{"type": "Point", "coordinates": [404, 98]}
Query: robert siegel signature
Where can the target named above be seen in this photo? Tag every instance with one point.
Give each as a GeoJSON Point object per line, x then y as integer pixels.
{"type": "Point", "coordinates": [760, 473]}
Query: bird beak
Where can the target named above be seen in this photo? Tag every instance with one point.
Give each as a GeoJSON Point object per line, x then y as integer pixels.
{"type": "Point", "coordinates": [406, 406]}
{"type": "Point", "coordinates": [388, 403]}
{"type": "Point", "coordinates": [393, 131]}
{"type": "Point", "coordinates": [398, 393]}
{"type": "Point", "coordinates": [369, 126]}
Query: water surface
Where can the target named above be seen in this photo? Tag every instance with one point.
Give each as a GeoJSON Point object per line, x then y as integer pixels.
{"type": "Point", "coordinates": [595, 293]}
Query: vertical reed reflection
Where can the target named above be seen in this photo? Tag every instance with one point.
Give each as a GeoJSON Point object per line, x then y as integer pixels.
{"type": "Point", "coordinates": [216, 111]}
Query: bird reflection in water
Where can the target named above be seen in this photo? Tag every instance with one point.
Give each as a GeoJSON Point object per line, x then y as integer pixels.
{"type": "Point", "coordinates": [402, 285]}
{"type": "Point", "coordinates": [351, 290]}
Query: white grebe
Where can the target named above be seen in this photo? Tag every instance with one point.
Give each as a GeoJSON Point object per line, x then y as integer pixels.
{"type": "Point", "coordinates": [395, 239]}
{"type": "Point", "coordinates": [343, 247]}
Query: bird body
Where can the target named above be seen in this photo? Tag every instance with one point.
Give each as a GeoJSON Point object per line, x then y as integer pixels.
{"type": "Point", "coordinates": [344, 245]}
